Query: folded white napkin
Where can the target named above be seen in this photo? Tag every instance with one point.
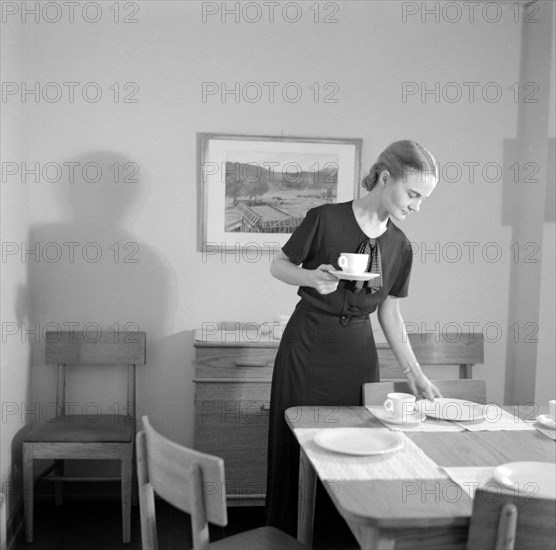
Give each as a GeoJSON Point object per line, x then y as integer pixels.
{"type": "Point", "coordinates": [497, 419]}
{"type": "Point", "coordinates": [409, 462]}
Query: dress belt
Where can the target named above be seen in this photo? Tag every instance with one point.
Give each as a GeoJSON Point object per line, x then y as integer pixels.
{"type": "Point", "coordinates": [345, 318]}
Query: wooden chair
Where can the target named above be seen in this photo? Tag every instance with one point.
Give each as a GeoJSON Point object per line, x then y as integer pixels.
{"type": "Point", "coordinates": [102, 437]}
{"type": "Point", "coordinates": [3, 523]}
{"type": "Point", "coordinates": [194, 483]}
{"type": "Point", "coordinates": [506, 521]}
{"type": "Point", "coordinates": [430, 348]}
{"type": "Point", "coordinates": [374, 393]}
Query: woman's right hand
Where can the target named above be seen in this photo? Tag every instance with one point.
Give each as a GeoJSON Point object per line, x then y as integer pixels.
{"type": "Point", "coordinates": [285, 270]}
{"type": "Point", "coordinates": [323, 281]}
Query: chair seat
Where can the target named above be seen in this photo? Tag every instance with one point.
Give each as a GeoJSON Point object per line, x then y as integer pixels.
{"type": "Point", "coordinates": [268, 538]}
{"type": "Point", "coordinates": [106, 428]}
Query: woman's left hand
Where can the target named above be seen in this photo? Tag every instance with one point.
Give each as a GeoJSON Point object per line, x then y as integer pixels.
{"type": "Point", "coordinates": [421, 386]}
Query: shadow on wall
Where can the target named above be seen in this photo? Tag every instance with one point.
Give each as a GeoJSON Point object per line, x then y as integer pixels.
{"type": "Point", "coordinates": [94, 274]}
{"type": "Point", "coordinates": [170, 391]}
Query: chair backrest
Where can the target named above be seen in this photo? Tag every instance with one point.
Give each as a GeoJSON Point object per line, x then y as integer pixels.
{"type": "Point", "coordinates": [192, 481]}
{"type": "Point", "coordinates": [448, 348]}
{"type": "Point", "coordinates": [432, 348]}
{"type": "Point", "coordinates": [69, 348]}
{"type": "Point", "coordinates": [106, 348]}
{"type": "Point", "coordinates": [507, 521]}
{"type": "Point", "coordinates": [374, 393]}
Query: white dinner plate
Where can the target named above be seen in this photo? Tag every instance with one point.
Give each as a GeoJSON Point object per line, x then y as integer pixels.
{"type": "Point", "coordinates": [534, 479]}
{"type": "Point", "coordinates": [411, 419]}
{"type": "Point", "coordinates": [447, 408]}
{"type": "Point", "coordinates": [354, 276]}
{"type": "Point", "coordinates": [359, 441]}
{"type": "Point", "coordinates": [547, 421]}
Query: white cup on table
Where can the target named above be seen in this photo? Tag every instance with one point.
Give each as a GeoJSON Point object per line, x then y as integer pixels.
{"type": "Point", "coordinates": [400, 405]}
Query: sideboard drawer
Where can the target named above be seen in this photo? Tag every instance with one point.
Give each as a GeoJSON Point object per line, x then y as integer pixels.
{"type": "Point", "coordinates": [239, 363]}
{"type": "Point", "coordinates": [236, 391]}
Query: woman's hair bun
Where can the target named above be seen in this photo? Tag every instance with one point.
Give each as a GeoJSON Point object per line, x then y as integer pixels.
{"type": "Point", "coordinates": [399, 158]}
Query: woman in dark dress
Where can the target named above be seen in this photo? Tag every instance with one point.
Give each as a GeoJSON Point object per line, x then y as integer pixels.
{"type": "Point", "coordinates": [327, 351]}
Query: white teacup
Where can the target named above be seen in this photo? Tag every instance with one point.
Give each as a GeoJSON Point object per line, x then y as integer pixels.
{"type": "Point", "coordinates": [400, 405]}
{"type": "Point", "coordinates": [353, 263]}
{"type": "Point", "coordinates": [552, 409]}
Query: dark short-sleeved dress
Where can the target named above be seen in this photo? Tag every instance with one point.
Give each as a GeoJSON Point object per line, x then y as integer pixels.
{"type": "Point", "coordinates": [327, 351]}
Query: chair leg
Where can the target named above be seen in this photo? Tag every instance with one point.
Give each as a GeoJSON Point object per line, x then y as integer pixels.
{"type": "Point", "coordinates": [28, 490]}
{"type": "Point", "coordinates": [134, 484]}
{"type": "Point", "coordinates": [59, 485]}
{"type": "Point", "coordinates": [126, 475]}
{"type": "Point", "coordinates": [3, 529]}
{"type": "Point", "coordinates": [465, 371]}
{"type": "Point", "coordinates": [147, 511]}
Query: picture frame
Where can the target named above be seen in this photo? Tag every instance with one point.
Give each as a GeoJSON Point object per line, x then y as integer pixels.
{"type": "Point", "coordinates": [255, 190]}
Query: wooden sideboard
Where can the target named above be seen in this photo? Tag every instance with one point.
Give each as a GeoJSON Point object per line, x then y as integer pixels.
{"type": "Point", "coordinates": [233, 372]}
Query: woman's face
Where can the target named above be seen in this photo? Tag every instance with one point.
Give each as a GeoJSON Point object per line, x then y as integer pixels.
{"type": "Point", "coordinates": [401, 197]}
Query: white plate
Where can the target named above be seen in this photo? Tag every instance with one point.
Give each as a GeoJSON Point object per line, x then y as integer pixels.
{"type": "Point", "coordinates": [535, 479]}
{"type": "Point", "coordinates": [413, 419]}
{"type": "Point", "coordinates": [359, 441]}
{"type": "Point", "coordinates": [447, 408]}
{"type": "Point", "coordinates": [354, 276]}
{"type": "Point", "coordinates": [547, 421]}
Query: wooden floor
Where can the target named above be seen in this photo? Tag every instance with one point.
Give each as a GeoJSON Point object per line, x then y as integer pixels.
{"type": "Point", "coordinates": [94, 525]}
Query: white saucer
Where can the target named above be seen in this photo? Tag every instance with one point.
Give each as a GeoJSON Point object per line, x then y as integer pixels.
{"type": "Point", "coordinates": [354, 276]}
{"type": "Point", "coordinates": [411, 419]}
{"type": "Point", "coordinates": [447, 408]}
{"type": "Point", "coordinates": [534, 479]}
{"type": "Point", "coordinates": [547, 421]}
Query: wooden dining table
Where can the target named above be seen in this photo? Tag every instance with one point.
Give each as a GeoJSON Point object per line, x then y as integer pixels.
{"type": "Point", "coordinates": [390, 506]}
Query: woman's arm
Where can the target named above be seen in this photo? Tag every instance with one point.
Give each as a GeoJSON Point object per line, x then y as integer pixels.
{"type": "Point", "coordinates": [392, 324]}
{"type": "Point", "coordinates": [286, 271]}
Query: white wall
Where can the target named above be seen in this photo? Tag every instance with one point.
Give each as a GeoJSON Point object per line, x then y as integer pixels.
{"type": "Point", "coordinates": [545, 387]}
{"type": "Point", "coordinates": [14, 299]}
{"type": "Point", "coordinates": [369, 53]}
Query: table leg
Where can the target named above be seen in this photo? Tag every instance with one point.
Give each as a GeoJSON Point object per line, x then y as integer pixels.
{"type": "Point", "coordinates": [371, 538]}
{"type": "Point", "coordinates": [306, 500]}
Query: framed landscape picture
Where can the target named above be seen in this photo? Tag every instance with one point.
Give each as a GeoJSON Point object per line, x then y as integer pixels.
{"type": "Point", "coordinates": [255, 190]}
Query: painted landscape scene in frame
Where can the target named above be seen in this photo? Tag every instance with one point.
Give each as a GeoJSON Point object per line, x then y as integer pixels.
{"type": "Point", "coordinates": [272, 194]}
{"type": "Point", "coordinates": [255, 188]}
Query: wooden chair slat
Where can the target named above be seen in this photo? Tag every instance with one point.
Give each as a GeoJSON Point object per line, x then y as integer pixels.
{"type": "Point", "coordinates": [447, 348]}
{"type": "Point", "coordinates": [167, 464]}
{"type": "Point", "coordinates": [432, 348]}
{"type": "Point", "coordinates": [108, 348]}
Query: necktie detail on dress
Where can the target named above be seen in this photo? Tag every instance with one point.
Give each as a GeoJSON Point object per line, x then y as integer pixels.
{"type": "Point", "coordinates": [371, 247]}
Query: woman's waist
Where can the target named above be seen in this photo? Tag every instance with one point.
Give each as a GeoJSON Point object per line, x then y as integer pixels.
{"type": "Point", "coordinates": [346, 315]}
